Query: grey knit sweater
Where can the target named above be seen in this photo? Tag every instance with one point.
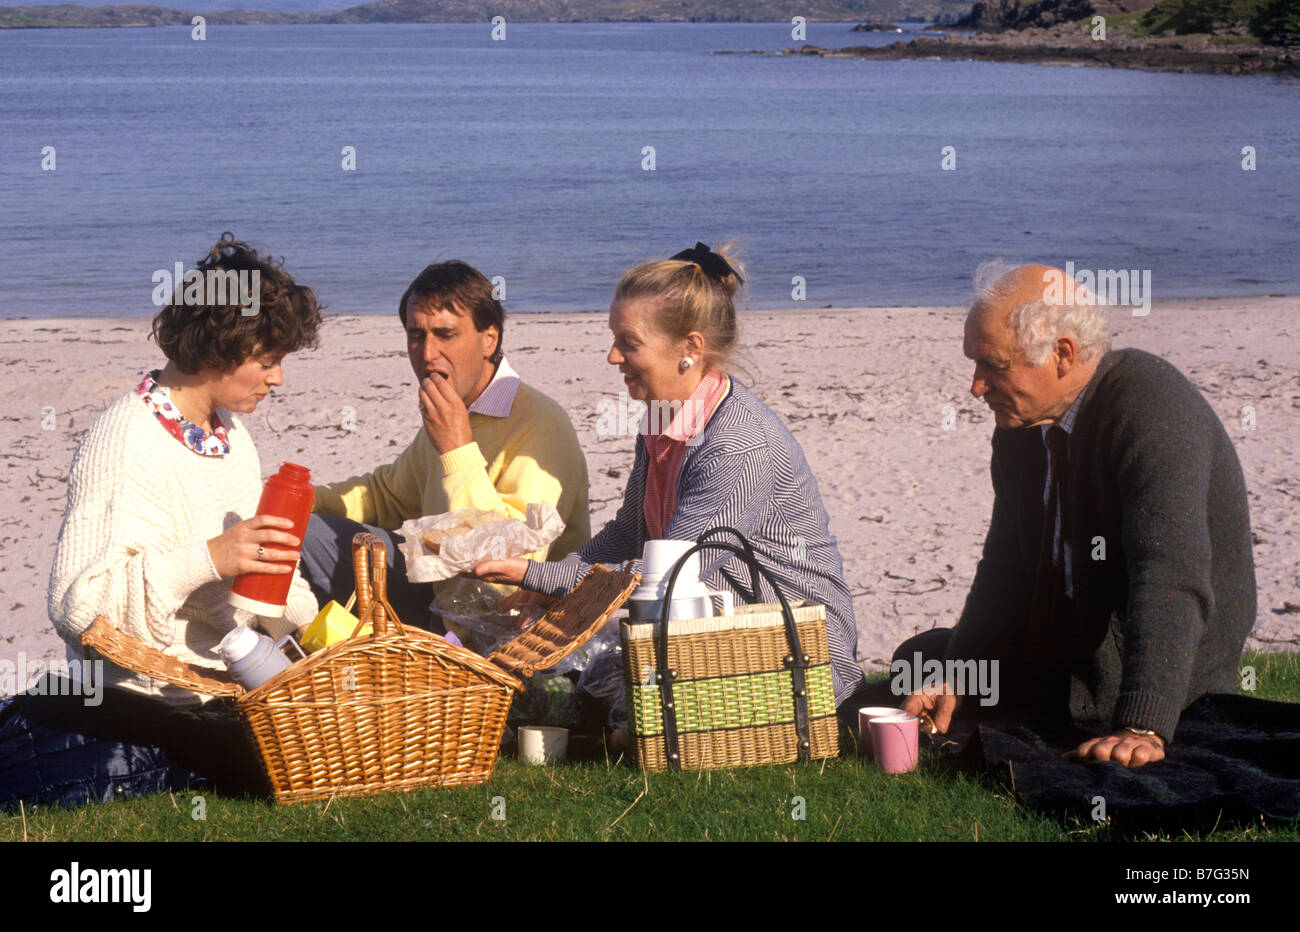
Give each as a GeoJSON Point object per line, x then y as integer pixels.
{"type": "Point", "coordinates": [747, 472]}
{"type": "Point", "coordinates": [1164, 578]}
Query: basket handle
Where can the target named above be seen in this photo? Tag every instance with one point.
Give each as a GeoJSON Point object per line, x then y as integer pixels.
{"type": "Point", "coordinates": [796, 661]}
{"type": "Point", "coordinates": [382, 615]}
{"type": "Point", "coordinates": [362, 595]}
{"type": "Point", "coordinates": [370, 563]}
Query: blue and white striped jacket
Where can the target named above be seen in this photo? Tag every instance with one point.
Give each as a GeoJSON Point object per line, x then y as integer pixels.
{"type": "Point", "coordinates": [746, 472]}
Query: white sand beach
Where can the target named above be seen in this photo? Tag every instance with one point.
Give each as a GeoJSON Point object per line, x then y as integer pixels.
{"type": "Point", "coordinates": [878, 398]}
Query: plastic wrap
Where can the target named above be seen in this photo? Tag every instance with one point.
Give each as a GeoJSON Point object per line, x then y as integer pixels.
{"type": "Point", "coordinates": [602, 675]}
{"type": "Point", "coordinates": [492, 539]}
{"type": "Point", "coordinates": [471, 608]}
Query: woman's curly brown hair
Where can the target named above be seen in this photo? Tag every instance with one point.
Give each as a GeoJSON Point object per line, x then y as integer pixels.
{"type": "Point", "coordinates": [221, 336]}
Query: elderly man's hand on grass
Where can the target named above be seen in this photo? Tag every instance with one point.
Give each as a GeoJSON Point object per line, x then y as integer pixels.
{"type": "Point", "coordinates": [1124, 747]}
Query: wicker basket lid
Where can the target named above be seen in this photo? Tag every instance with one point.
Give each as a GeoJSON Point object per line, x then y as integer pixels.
{"type": "Point", "coordinates": [568, 624]}
{"type": "Point", "coordinates": [135, 655]}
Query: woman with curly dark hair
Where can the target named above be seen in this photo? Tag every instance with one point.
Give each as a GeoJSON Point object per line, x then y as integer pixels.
{"type": "Point", "coordinates": [160, 518]}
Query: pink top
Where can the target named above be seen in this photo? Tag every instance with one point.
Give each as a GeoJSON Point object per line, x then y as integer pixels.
{"type": "Point", "coordinates": [667, 449]}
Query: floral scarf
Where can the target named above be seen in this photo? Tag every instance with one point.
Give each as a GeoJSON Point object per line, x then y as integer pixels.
{"type": "Point", "coordinates": [158, 398]}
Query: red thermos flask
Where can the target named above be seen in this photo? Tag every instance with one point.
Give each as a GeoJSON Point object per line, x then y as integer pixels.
{"type": "Point", "coordinates": [287, 494]}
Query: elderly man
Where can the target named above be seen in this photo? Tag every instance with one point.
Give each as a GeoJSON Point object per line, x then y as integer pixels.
{"type": "Point", "coordinates": [1117, 582]}
{"type": "Point", "coordinates": [486, 441]}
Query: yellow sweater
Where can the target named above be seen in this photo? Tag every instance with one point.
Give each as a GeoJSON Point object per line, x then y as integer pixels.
{"type": "Point", "coordinates": [532, 455]}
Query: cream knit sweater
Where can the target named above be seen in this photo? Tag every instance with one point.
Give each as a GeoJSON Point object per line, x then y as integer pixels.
{"type": "Point", "coordinates": [133, 546]}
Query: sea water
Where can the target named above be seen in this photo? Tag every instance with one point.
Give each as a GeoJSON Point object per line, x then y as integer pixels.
{"type": "Point", "coordinates": [557, 156]}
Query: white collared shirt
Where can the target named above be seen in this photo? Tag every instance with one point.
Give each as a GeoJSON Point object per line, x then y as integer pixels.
{"type": "Point", "coordinates": [499, 397]}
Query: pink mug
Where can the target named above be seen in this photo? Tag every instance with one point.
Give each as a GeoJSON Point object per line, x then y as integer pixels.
{"type": "Point", "coordinates": [894, 739]}
{"type": "Point", "coordinates": [865, 715]}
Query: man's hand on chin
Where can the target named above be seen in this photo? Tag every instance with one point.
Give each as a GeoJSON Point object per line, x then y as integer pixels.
{"type": "Point", "coordinates": [1123, 747]}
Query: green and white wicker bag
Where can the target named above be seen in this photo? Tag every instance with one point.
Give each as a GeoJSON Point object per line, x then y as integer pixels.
{"type": "Point", "coordinates": [734, 690]}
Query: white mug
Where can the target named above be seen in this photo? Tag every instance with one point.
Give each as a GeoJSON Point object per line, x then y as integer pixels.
{"type": "Point", "coordinates": [539, 744]}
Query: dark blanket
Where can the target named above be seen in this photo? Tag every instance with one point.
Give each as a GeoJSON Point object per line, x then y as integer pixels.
{"type": "Point", "coordinates": [1233, 759]}
{"type": "Point", "coordinates": [57, 750]}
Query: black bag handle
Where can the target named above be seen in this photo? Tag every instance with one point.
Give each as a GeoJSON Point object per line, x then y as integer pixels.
{"type": "Point", "coordinates": [796, 661]}
{"type": "Point", "coordinates": [754, 593]}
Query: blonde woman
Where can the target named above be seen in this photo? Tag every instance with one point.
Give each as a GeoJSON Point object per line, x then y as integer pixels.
{"type": "Point", "coordinates": [724, 460]}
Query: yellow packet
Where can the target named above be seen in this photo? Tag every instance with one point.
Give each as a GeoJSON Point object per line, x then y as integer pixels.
{"type": "Point", "coordinates": [334, 623]}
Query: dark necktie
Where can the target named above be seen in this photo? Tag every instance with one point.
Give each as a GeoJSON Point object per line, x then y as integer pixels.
{"type": "Point", "coordinates": [1045, 635]}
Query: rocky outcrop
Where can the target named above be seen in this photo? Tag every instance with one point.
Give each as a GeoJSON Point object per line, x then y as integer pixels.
{"type": "Point", "coordinates": [1073, 47]}
{"type": "Point", "coordinates": [999, 15]}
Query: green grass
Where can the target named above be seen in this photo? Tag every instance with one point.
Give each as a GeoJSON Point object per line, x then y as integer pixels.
{"type": "Point", "coordinates": [843, 799]}
{"type": "Point", "coordinates": [1277, 675]}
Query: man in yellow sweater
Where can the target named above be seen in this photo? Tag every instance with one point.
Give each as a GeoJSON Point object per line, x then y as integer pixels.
{"type": "Point", "coordinates": [486, 441]}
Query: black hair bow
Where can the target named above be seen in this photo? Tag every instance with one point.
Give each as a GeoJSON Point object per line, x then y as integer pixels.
{"type": "Point", "coordinates": [712, 264]}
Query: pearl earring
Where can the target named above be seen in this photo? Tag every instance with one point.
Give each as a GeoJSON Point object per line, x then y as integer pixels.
{"type": "Point", "coordinates": [686, 363]}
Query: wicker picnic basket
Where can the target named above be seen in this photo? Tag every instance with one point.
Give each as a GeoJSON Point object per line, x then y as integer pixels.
{"type": "Point", "coordinates": [396, 710]}
{"type": "Point", "coordinates": [734, 690]}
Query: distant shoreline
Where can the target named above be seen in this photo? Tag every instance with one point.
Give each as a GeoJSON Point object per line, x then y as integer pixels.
{"type": "Point", "coordinates": [156, 17]}
{"type": "Point", "coordinates": [1065, 45]}
{"type": "Point", "coordinates": [141, 16]}
{"type": "Point", "coordinates": [1039, 47]}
